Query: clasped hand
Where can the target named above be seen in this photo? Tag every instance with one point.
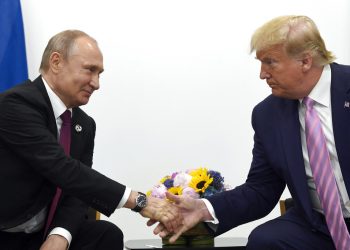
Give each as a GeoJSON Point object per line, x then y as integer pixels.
{"type": "Point", "coordinates": [175, 216]}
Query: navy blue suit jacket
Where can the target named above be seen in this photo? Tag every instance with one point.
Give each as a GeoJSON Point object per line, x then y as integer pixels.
{"type": "Point", "coordinates": [278, 161]}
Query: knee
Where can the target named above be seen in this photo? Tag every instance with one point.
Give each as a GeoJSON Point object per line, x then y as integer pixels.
{"type": "Point", "coordinates": [260, 239]}
{"type": "Point", "coordinates": [114, 231]}
{"type": "Point", "coordinates": [113, 235]}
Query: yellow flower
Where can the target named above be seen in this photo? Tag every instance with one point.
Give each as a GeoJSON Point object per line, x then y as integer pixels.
{"type": "Point", "coordinates": [175, 190]}
{"type": "Point", "coordinates": [200, 180]}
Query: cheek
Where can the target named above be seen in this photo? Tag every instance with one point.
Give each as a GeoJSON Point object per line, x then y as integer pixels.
{"type": "Point", "coordinates": [80, 81]}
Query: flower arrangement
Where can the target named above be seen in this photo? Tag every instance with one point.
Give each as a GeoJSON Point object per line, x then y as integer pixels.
{"type": "Point", "coordinates": [196, 183]}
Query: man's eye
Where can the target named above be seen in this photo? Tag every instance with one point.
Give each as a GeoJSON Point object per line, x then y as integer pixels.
{"type": "Point", "coordinates": [269, 62]}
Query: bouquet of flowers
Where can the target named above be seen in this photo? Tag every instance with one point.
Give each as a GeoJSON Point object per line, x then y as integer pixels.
{"type": "Point", "coordinates": [196, 183]}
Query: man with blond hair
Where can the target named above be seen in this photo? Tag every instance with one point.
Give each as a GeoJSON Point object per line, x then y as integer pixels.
{"type": "Point", "coordinates": [302, 139]}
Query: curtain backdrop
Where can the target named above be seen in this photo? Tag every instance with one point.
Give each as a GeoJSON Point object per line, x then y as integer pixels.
{"type": "Point", "coordinates": [13, 61]}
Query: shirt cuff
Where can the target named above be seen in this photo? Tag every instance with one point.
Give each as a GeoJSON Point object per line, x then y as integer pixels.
{"type": "Point", "coordinates": [124, 198]}
{"type": "Point", "coordinates": [62, 232]}
{"type": "Point", "coordinates": [211, 211]}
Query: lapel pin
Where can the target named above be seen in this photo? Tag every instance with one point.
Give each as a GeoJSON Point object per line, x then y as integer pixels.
{"type": "Point", "coordinates": [78, 128]}
{"type": "Point", "coordinates": [347, 104]}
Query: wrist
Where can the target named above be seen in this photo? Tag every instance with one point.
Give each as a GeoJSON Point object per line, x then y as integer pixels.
{"type": "Point", "coordinates": [136, 201]}
{"type": "Point", "coordinates": [205, 215]}
{"type": "Point", "coordinates": [64, 233]}
{"type": "Point", "coordinates": [140, 202]}
{"type": "Point", "coordinates": [55, 240]}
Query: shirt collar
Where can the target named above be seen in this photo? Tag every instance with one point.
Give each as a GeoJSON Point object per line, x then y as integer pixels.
{"type": "Point", "coordinates": [321, 93]}
{"type": "Point", "coordinates": [57, 105]}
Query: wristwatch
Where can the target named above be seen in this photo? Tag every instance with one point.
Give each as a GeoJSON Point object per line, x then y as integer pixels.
{"type": "Point", "coordinates": [141, 202]}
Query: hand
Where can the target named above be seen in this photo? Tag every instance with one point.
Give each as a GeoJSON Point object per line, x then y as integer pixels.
{"type": "Point", "coordinates": [55, 242]}
{"type": "Point", "coordinates": [163, 211]}
{"type": "Point", "coordinates": [192, 210]}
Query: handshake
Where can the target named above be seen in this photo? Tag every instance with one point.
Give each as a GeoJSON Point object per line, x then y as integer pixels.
{"type": "Point", "coordinates": [174, 215]}
{"type": "Point", "coordinates": [174, 202]}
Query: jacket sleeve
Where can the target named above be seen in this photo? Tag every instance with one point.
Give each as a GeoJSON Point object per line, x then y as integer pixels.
{"type": "Point", "coordinates": [24, 129]}
{"type": "Point", "coordinates": [256, 197]}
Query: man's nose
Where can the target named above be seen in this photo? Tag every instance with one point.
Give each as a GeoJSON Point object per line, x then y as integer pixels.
{"type": "Point", "coordinates": [264, 74]}
{"type": "Point", "coordinates": [95, 82]}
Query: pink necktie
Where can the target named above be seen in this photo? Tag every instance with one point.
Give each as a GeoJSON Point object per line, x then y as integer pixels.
{"type": "Point", "coordinates": [322, 171]}
{"type": "Point", "coordinates": [65, 136]}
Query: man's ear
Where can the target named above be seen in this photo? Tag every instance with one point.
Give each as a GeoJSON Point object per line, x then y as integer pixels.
{"type": "Point", "coordinates": [55, 61]}
{"type": "Point", "coordinates": [306, 61]}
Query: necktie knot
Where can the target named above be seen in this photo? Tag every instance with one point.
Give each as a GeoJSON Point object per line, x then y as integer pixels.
{"type": "Point", "coordinates": [309, 103]}
{"type": "Point", "coordinates": [66, 117]}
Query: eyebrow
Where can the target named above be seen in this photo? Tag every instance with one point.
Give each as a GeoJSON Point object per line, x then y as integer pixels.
{"type": "Point", "coordinates": [94, 66]}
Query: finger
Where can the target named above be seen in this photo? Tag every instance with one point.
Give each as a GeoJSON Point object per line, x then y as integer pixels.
{"type": "Point", "coordinates": [177, 222]}
{"type": "Point", "coordinates": [173, 197]}
{"type": "Point", "coordinates": [175, 219]}
{"type": "Point", "coordinates": [164, 233]}
{"type": "Point", "coordinates": [159, 228]}
{"type": "Point", "coordinates": [151, 222]}
{"type": "Point", "coordinates": [175, 236]}
{"type": "Point", "coordinates": [173, 222]}
{"type": "Point", "coordinates": [167, 222]}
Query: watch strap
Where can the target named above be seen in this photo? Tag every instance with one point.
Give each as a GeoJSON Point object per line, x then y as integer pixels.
{"type": "Point", "coordinates": [140, 205]}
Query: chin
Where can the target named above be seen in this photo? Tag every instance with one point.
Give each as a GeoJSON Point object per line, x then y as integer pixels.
{"type": "Point", "coordinates": [81, 103]}
{"type": "Point", "coordinates": [278, 94]}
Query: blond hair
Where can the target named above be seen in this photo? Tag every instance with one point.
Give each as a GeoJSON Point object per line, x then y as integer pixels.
{"type": "Point", "coordinates": [297, 34]}
{"type": "Point", "coordinates": [62, 43]}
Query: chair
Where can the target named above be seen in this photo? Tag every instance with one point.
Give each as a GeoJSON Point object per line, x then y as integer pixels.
{"type": "Point", "coordinates": [285, 205]}
{"type": "Point", "coordinates": [93, 214]}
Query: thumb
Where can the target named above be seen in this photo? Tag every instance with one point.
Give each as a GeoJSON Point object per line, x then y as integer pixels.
{"type": "Point", "coordinates": [172, 197]}
{"type": "Point", "coordinates": [151, 222]}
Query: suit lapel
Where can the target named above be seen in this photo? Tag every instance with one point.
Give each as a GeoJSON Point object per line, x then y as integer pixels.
{"type": "Point", "coordinates": [51, 116]}
{"type": "Point", "coordinates": [340, 98]}
{"type": "Point", "coordinates": [291, 139]}
{"type": "Point", "coordinates": [77, 133]}
{"type": "Point", "coordinates": [77, 138]}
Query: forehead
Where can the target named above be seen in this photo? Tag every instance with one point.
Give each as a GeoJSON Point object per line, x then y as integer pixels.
{"type": "Point", "coordinates": [273, 52]}
{"type": "Point", "coordinates": [87, 51]}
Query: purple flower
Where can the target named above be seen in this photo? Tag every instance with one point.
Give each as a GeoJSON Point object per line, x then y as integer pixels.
{"type": "Point", "coordinates": [218, 180]}
{"type": "Point", "coordinates": [169, 183]}
{"type": "Point", "coordinates": [159, 191]}
{"type": "Point", "coordinates": [209, 192]}
{"type": "Point", "coordinates": [174, 175]}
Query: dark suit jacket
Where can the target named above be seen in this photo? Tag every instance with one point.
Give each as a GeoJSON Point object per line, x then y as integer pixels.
{"type": "Point", "coordinates": [277, 159]}
{"type": "Point", "coordinates": [32, 162]}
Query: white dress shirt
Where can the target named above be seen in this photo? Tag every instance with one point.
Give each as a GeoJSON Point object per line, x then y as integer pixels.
{"type": "Point", "coordinates": [321, 94]}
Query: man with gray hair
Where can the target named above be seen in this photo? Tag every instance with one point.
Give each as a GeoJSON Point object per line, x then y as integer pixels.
{"type": "Point", "coordinates": [46, 151]}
